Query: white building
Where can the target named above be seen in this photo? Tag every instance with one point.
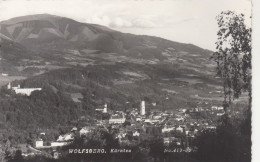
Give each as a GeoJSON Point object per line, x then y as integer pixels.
{"type": "Point", "coordinates": [26, 91]}
{"type": "Point", "coordinates": [105, 108]}
{"type": "Point", "coordinates": [84, 131]}
{"type": "Point", "coordinates": [214, 108]}
{"type": "Point", "coordinates": [165, 129]}
{"type": "Point", "coordinates": [138, 119]}
{"type": "Point", "coordinates": [152, 121]}
{"type": "Point", "coordinates": [42, 134]}
{"type": "Point", "coordinates": [136, 134]}
{"type": "Point", "coordinates": [179, 129]}
{"type": "Point", "coordinates": [117, 121]}
{"type": "Point", "coordinates": [168, 140]}
{"type": "Point", "coordinates": [118, 118]}
{"type": "Point", "coordinates": [39, 143]}
{"type": "Point", "coordinates": [58, 144]}
{"type": "Point", "coordinates": [157, 117]}
{"type": "Point", "coordinates": [142, 108]}
{"type": "Point", "coordinates": [220, 113]}
{"type": "Point", "coordinates": [9, 86]}
{"type": "Point", "coordinates": [121, 135]}
{"type": "Point", "coordinates": [66, 137]}
{"type": "Point", "coordinates": [23, 91]}
{"type": "Point", "coordinates": [211, 127]}
{"type": "Point", "coordinates": [4, 74]}
{"type": "Point", "coordinates": [220, 108]}
{"type": "Point", "coordinates": [179, 119]}
{"type": "Point", "coordinates": [182, 110]}
{"type": "Point", "coordinates": [74, 129]}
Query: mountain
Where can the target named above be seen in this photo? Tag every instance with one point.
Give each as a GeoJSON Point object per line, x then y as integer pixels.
{"type": "Point", "coordinates": [81, 66]}
{"type": "Point", "coordinates": [38, 44]}
{"type": "Point", "coordinates": [59, 40]}
{"type": "Point", "coordinates": [59, 32]}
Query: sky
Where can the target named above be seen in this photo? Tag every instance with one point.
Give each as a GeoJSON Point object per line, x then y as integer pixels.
{"type": "Point", "coordinates": [187, 21]}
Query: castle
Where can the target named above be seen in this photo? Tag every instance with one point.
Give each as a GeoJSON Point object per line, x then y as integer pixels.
{"type": "Point", "coordinates": [23, 91]}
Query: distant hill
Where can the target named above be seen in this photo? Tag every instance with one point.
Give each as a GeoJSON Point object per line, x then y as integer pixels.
{"type": "Point", "coordinates": [33, 46]}
{"type": "Point", "coordinates": [48, 39]}
{"type": "Point", "coordinates": [59, 32]}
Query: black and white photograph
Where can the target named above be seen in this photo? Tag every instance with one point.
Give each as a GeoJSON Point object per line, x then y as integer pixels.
{"type": "Point", "coordinates": [126, 81]}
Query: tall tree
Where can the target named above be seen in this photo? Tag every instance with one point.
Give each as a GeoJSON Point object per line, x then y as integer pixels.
{"type": "Point", "coordinates": [233, 55]}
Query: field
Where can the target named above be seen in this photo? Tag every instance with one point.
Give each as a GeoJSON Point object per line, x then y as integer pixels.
{"type": "Point", "coordinates": [4, 80]}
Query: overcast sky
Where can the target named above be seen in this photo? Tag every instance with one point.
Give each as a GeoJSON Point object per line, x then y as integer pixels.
{"type": "Point", "coordinates": [188, 21]}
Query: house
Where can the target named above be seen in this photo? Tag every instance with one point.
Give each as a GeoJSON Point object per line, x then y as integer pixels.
{"type": "Point", "coordinates": [220, 113]}
{"type": "Point", "coordinates": [136, 134]}
{"type": "Point", "coordinates": [213, 108]}
{"type": "Point", "coordinates": [179, 119]}
{"type": "Point", "coordinates": [104, 110]}
{"type": "Point", "coordinates": [121, 135]}
{"type": "Point", "coordinates": [211, 127]}
{"type": "Point", "coordinates": [152, 121]}
{"type": "Point", "coordinates": [117, 121]}
{"type": "Point", "coordinates": [167, 129]}
{"type": "Point", "coordinates": [156, 117]}
{"type": "Point", "coordinates": [168, 140]}
{"type": "Point", "coordinates": [4, 74]}
{"type": "Point", "coordinates": [84, 131]}
{"type": "Point", "coordinates": [58, 144]}
{"type": "Point", "coordinates": [42, 133]}
{"type": "Point", "coordinates": [138, 119]}
{"type": "Point", "coordinates": [74, 129]}
{"type": "Point", "coordinates": [117, 118]}
{"type": "Point", "coordinates": [179, 129]}
{"type": "Point", "coordinates": [56, 155]}
{"type": "Point", "coordinates": [38, 143]}
{"type": "Point", "coordinates": [182, 110]}
{"type": "Point", "coordinates": [66, 137]}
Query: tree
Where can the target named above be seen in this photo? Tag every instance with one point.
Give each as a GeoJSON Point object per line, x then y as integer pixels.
{"type": "Point", "coordinates": [233, 55]}
{"type": "Point", "coordinates": [231, 141]}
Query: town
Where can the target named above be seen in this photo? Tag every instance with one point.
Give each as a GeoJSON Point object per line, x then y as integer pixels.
{"type": "Point", "coordinates": [135, 125]}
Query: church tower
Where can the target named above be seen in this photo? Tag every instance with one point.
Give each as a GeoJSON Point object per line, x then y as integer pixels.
{"type": "Point", "coordinates": [142, 108]}
{"type": "Point", "coordinates": [9, 86]}
{"type": "Point", "coordinates": [105, 108]}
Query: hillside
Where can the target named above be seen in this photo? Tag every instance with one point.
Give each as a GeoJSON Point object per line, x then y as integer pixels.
{"type": "Point", "coordinates": [81, 66]}
{"type": "Point", "coordinates": [32, 45]}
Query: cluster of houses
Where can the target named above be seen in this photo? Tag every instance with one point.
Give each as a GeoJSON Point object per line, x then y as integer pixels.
{"type": "Point", "coordinates": [136, 125]}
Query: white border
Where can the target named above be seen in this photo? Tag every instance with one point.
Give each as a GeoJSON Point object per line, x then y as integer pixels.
{"type": "Point", "coordinates": [256, 81]}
